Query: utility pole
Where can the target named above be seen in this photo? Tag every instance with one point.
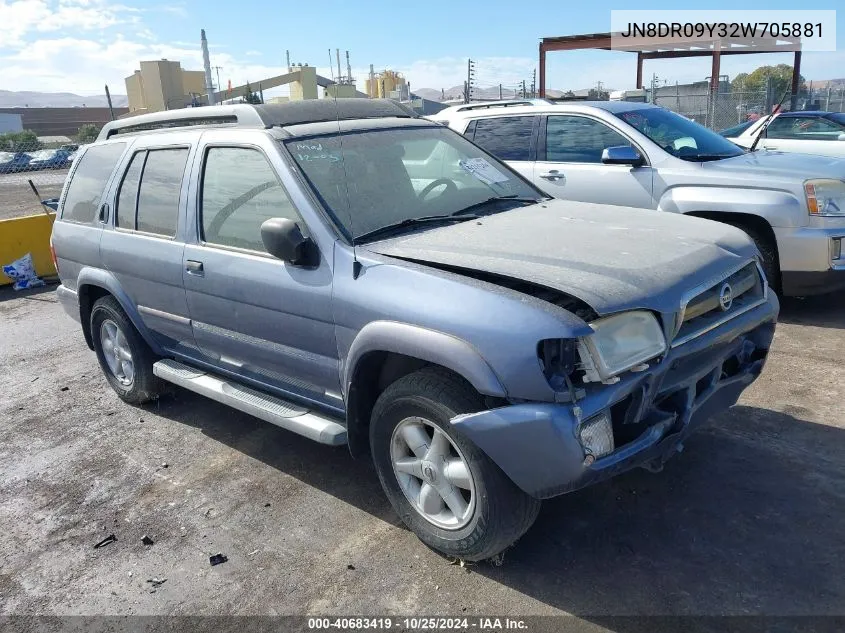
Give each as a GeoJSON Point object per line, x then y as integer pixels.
{"type": "Point", "coordinates": [470, 75]}
{"type": "Point", "coordinates": [534, 84]}
{"type": "Point", "coordinates": [111, 109]}
{"type": "Point", "coordinates": [500, 92]}
{"type": "Point", "coordinates": [523, 89]}
{"type": "Point", "coordinates": [219, 88]}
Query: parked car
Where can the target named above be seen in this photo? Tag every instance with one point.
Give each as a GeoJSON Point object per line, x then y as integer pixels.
{"type": "Point", "coordinates": [361, 276]}
{"type": "Point", "coordinates": [640, 155]}
{"type": "Point", "coordinates": [821, 133]}
{"type": "Point", "coordinates": [736, 130]}
{"type": "Point", "coordinates": [13, 162]}
{"type": "Point", "coordinates": [50, 159]}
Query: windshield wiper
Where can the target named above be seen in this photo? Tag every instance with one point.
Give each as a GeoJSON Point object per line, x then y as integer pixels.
{"type": "Point", "coordinates": [397, 226]}
{"type": "Point", "coordinates": [705, 157]}
{"type": "Point", "coordinates": [484, 203]}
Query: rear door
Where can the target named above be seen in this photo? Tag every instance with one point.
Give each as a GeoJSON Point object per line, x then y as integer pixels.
{"type": "Point", "coordinates": [254, 315]}
{"type": "Point", "coordinates": [512, 139]}
{"type": "Point", "coordinates": [569, 164]}
{"type": "Point", "coordinates": [805, 134]}
{"type": "Point", "coordinates": [143, 245]}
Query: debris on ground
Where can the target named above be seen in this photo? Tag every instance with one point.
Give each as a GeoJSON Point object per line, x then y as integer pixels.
{"type": "Point", "coordinates": [217, 559]}
{"type": "Point", "coordinates": [266, 505]}
{"type": "Point", "coordinates": [22, 273]}
{"type": "Point", "coordinates": [146, 540]}
{"type": "Point", "coordinates": [111, 538]}
{"type": "Point", "coordinates": [350, 567]}
{"type": "Point", "coordinates": [156, 583]}
{"type": "Point", "coordinates": [164, 464]}
{"type": "Point", "coordinates": [253, 552]}
{"type": "Point", "coordinates": [65, 389]}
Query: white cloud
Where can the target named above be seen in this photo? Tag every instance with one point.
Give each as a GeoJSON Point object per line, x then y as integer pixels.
{"type": "Point", "coordinates": [22, 17]}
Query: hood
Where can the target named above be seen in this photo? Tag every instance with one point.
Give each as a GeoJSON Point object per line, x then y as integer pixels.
{"type": "Point", "coordinates": [773, 164]}
{"type": "Point", "coordinates": [612, 258]}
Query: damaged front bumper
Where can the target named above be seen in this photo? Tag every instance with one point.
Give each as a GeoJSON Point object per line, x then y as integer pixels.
{"type": "Point", "coordinates": [538, 445]}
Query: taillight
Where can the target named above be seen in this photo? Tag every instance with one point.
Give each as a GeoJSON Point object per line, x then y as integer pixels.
{"type": "Point", "coordinates": [53, 255]}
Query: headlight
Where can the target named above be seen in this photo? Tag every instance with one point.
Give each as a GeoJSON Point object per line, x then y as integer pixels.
{"type": "Point", "coordinates": [620, 342]}
{"type": "Point", "coordinates": [825, 196]}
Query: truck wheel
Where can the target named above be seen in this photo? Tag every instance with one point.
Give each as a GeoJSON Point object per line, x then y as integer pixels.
{"type": "Point", "coordinates": [126, 360]}
{"type": "Point", "coordinates": [769, 252]}
{"type": "Point", "coordinates": [444, 488]}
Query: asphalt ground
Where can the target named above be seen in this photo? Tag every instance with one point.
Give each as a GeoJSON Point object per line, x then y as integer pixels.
{"type": "Point", "coordinates": [748, 520]}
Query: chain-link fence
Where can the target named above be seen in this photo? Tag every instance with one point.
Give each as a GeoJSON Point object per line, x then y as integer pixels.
{"type": "Point", "coordinates": [24, 159]}
{"type": "Point", "coordinates": [722, 110]}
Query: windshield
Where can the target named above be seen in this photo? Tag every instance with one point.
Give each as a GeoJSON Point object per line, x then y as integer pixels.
{"type": "Point", "coordinates": [384, 177]}
{"type": "Point", "coordinates": [736, 130]}
{"type": "Point", "coordinates": [679, 136]}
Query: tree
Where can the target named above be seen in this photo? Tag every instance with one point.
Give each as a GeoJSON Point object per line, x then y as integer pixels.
{"type": "Point", "coordinates": [777, 78]}
{"type": "Point", "coordinates": [88, 133]}
{"type": "Point", "coordinates": [26, 141]}
{"type": "Point", "coordinates": [251, 97]}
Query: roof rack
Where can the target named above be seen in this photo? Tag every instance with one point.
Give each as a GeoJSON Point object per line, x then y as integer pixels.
{"type": "Point", "coordinates": [494, 104]}
{"type": "Point", "coordinates": [259, 116]}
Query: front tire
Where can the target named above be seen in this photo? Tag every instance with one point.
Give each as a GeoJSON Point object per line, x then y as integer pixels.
{"type": "Point", "coordinates": [442, 486]}
{"type": "Point", "coordinates": [126, 360]}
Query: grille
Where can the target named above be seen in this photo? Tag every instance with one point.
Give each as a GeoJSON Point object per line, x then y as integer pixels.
{"type": "Point", "coordinates": [721, 301]}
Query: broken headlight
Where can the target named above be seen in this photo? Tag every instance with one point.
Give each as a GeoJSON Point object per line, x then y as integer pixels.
{"type": "Point", "coordinates": [558, 357]}
{"type": "Point", "coordinates": [619, 343]}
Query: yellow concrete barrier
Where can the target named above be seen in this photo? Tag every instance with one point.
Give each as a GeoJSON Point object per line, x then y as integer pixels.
{"type": "Point", "coordinates": [30, 234]}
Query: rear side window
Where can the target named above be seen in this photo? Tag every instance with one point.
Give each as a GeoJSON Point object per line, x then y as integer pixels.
{"type": "Point", "coordinates": [161, 184]}
{"type": "Point", "coordinates": [128, 196]}
{"type": "Point", "coordinates": [507, 138]}
{"type": "Point", "coordinates": [88, 182]}
{"type": "Point", "coordinates": [148, 199]}
{"type": "Point", "coordinates": [240, 191]}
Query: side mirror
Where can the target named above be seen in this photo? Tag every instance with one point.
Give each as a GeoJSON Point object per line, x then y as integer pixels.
{"type": "Point", "coordinates": [841, 137]}
{"type": "Point", "coordinates": [622, 155]}
{"type": "Point", "coordinates": [283, 239]}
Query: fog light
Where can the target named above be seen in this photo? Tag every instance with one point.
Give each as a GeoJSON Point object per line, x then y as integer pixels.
{"type": "Point", "coordinates": [597, 435]}
{"type": "Point", "coordinates": [837, 248]}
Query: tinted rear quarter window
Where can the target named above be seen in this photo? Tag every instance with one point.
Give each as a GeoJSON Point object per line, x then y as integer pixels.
{"type": "Point", "coordinates": [88, 182]}
{"type": "Point", "coordinates": [128, 196]}
{"type": "Point", "coordinates": [161, 184]}
{"type": "Point", "coordinates": [507, 138]}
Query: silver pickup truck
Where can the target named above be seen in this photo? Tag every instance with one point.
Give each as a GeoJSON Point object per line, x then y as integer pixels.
{"type": "Point", "coordinates": [640, 155]}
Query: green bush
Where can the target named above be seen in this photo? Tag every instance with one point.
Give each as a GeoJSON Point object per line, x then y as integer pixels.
{"type": "Point", "coordinates": [26, 141]}
{"type": "Point", "coordinates": [88, 133]}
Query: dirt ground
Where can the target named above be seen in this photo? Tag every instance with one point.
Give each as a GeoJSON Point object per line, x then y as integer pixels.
{"type": "Point", "coordinates": [748, 520]}
{"type": "Point", "coordinates": [16, 197]}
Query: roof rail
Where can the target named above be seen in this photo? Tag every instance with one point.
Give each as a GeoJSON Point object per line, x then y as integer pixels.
{"type": "Point", "coordinates": [239, 115]}
{"type": "Point", "coordinates": [494, 104]}
{"type": "Point", "coordinates": [259, 116]}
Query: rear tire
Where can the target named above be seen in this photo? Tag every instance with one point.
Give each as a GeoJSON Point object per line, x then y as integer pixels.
{"type": "Point", "coordinates": [125, 358]}
{"type": "Point", "coordinates": [489, 512]}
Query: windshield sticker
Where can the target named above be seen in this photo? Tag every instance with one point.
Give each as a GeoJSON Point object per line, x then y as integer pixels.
{"type": "Point", "coordinates": [306, 152]}
{"type": "Point", "coordinates": [482, 170]}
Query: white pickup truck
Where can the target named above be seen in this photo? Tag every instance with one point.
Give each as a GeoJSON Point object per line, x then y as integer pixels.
{"type": "Point", "coordinates": [640, 155]}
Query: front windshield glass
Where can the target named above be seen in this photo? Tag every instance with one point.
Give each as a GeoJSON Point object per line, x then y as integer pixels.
{"type": "Point", "coordinates": [384, 177]}
{"type": "Point", "coordinates": [679, 136]}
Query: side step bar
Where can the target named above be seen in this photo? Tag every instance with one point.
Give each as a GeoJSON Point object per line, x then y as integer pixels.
{"type": "Point", "coordinates": [261, 405]}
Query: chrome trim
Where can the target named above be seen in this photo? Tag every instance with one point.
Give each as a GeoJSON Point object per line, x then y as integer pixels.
{"type": "Point", "coordinates": [169, 316]}
{"type": "Point", "coordinates": [689, 295]}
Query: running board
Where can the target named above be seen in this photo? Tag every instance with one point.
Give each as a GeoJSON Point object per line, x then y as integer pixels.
{"type": "Point", "coordinates": [261, 405]}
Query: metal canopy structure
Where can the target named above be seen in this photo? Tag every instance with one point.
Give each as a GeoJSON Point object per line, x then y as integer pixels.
{"type": "Point", "coordinates": [674, 47]}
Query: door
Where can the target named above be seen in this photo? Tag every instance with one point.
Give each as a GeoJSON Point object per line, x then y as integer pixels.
{"type": "Point", "coordinates": [569, 164]}
{"type": "Point", "coordinates": [142, 248]}
{"type": "Point", "coordinates": [805, 134]}
{"type": "Point", "coordinates": [253, 315]}
{"type": "Point", "coordinates": [509, 138]}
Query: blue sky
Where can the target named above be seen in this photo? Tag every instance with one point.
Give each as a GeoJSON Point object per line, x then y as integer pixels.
{"type": "Point", "coordinates": [78, 45]}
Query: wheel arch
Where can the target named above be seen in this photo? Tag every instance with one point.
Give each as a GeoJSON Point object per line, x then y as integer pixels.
{"type": "Point", "coordinates": [92, 284]}
{"type": "Point", "coordinates": [384, 351]}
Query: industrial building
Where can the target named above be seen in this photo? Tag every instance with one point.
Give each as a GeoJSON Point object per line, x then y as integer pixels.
{"type": "Point", "coordinates": [163, 85]}
{"type": "Point", "coordinates": [61, 121]}
{"type": "Point", "coordinates": [387, 84]}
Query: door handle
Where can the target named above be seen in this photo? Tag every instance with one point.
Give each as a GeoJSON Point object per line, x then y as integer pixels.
{"type": "Point", "coordinates": [104, 213]}
{"type": "Point", "coordinates": [552, 174]}
{"type": "Point", "coordinates": [194, 267]}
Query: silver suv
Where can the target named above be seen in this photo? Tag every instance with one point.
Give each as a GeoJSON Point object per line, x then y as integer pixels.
{"type": "Point", "coordinates": [360, 276]}
{"type": "Point", "coordinates": [640, 155]}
